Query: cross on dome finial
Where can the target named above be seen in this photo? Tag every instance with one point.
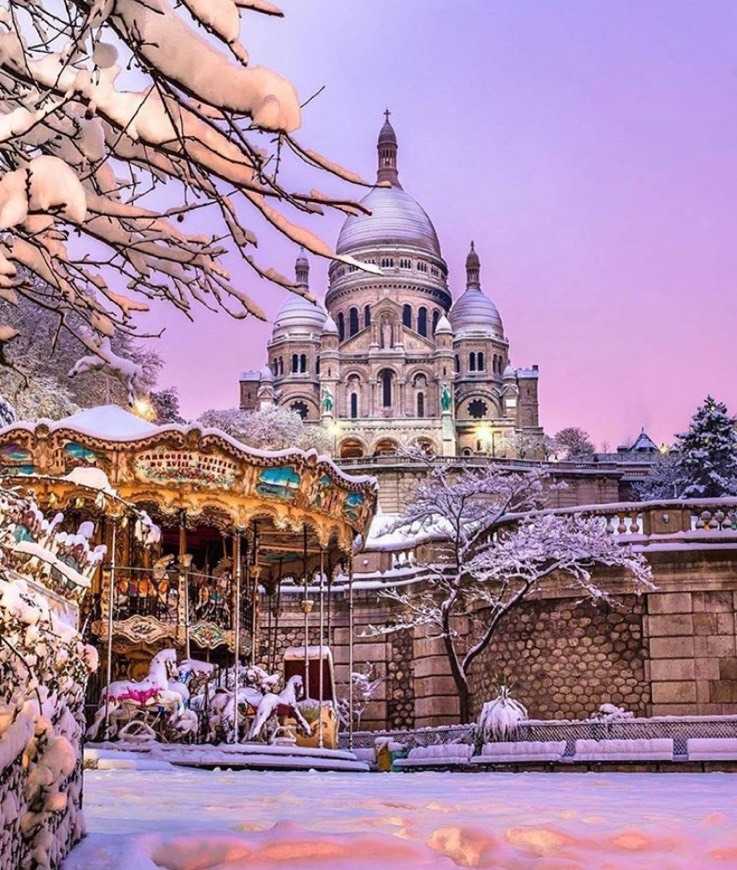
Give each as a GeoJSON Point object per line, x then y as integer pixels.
{"type": "Point", "coordinates": [473, 269]}
{"type": "Point", "coordinates": [387, 148]}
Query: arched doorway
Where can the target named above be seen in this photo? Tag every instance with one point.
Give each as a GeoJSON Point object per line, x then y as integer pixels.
{"type": "Point", "coordinates": [351, 448]}
{"type": "Point", "coordinates": [386, 447]}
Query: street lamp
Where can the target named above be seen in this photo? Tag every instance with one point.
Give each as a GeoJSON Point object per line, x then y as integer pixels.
{"type": "Point", "coordinates": [486, 437]}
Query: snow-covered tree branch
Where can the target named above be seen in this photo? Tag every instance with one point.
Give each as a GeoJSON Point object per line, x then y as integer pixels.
{"type": "Point", "coordinates": [271, 428]}
{"type": "Point", "coordinates": [492, 549]}
{"type": "Point", "coordinates": [120, 125]}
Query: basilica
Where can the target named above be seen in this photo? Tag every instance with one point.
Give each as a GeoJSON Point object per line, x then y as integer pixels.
{"type": "Point", "coordinates": [391, 360]}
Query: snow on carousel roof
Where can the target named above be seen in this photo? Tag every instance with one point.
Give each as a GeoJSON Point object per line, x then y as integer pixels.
{"type": "Point", "coordinates": [107, 421]}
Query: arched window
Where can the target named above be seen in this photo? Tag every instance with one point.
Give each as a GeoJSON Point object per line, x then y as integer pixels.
{"type": "Point", "coordinates": [472, 362]}
{"type": "Point", "coordinates": [458, 364]}
{"type": "Point", "coordinates": [420, 404]}
{"type": "Point", "coordinates": [341, 326]}
{"type": "Point", "coordinates": [480, 361]}
{"type": "Point", "coordinates": [317, 366]}
{"type": "Point", "coordinates": [303, 362]}
{"type": "Point", "coordinates": [422, 321]}
{"type": "Point", "coordinates": [295, 363]}
{"type": "Point", "coordinates": [386, 388]}
{"type": "Point", "coordinates": [435, 318]}
{"type": "Point", "coordinates": [367, 316]}
{"type": "Point", "coordinates": [353, 321]}
{"type": "Point", "coordinates": [351, 449]}
{"type": "Point", "coordinates": [407, 316]}
{"type": "Point", "coordinates": [301, 409]}
{"type": "Point", "coordinates": [354, 405]}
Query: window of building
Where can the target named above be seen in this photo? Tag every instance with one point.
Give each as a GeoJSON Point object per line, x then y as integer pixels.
{"type": "Point", "coordinates": [367, 316]}
{"type": "Point", "coordinates": [422, 321]}
{"type": "Point", "coordinates": [354, 405]}
{"type": "Point", "coordinates": [317, 366]}
{"type": "Point", "coordinates": [477, 409]}
{"type": "Point", "coordinates": [295, 363]}
{"type": "Point", "coordinates": [435, 318]}
{"type": "Point", "coordinates": [458, 364]}
{"type": "Point", "coordinates": [353, 321]}
{"type": "Point", "coordinates": [420, 404]}
{"type": "Point", "coordinates": [472, 362]}
{"type": "Point", "coordinates": [387, 262]}
{"type": "Point", "coordinates": [301, 409]}
{"type": "Point", "coordinates": [341, 326]}
{"type": "Point", "coordinates": [405, 264]}
{"type": "Point", "coordinates": [351, 448]}
{"type": "Point", "coordinates": [421, 266]}
{"type": "Point", "coordinates": [407, 316]}
{"type": "Point", "coordinates": [303, 362]}
{"type": "Point", "coordinates": [480, 361]}
{"type": "Point", "coordinates": [386, 388]}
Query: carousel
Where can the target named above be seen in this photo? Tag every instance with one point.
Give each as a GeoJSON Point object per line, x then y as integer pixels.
{"type": "Point", "coordinates": [204, 537]}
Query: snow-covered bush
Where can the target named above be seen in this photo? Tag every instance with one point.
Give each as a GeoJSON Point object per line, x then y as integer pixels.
{"type": "Point", "coordinates": [611, 713]}
{"type": "Point", "coordinates": [499, 718]}
{"type": "Point", "coordinates": [44, 667]}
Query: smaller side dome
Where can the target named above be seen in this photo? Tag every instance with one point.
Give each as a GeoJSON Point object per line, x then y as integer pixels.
{"type": "Point", "coordinates": [329, 327]}
{"type": "Point", "coordinates": [443, 327]}
{"type": "Point", "coordinates": [474, 313]}
{"type": "Point", "coordinates": [510, 373]}
{"type": "Point", "coordinates": [297, 315]}
{"type": "Point", "coordinates": [266, 374]}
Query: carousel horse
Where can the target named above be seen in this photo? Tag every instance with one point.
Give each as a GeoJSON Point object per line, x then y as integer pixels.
{"type": "Point", "coordinates": [223, 709]}
{"type": "Point", "coordinates": [125, 698]}
{"type": "Point", "coordinates": [285, 703]}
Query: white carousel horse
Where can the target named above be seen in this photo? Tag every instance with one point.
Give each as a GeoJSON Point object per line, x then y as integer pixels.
{"type": "Point", "coordinates": [222, 704]}
{"type": "Point", "coordinates": [135, 695]}
{"type": "Point", "coordinates": [286, 699]}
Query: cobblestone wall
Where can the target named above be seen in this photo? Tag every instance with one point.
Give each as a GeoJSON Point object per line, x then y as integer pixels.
{"type": "Point", "coordinates": [565, 659]}
{"type": "Point", "coordinates": [400, 703]}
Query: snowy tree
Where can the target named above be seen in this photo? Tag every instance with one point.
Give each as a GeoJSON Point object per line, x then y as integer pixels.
{"type": "Point", "coordinates": [271, 428]}
{"type": "Point", "coordinates": [573, 443]}
{"type": "Point", "coordinates": [365, 685]}
{"type": "Point", "coordinates": [36, 377]}
{"type": "Point", "coordinates": [125, 127]}
{"type": "Point", "coordinates": [493, 548]}
{"type": "Point", "coordinates": [529, 446]}
{"type": "Point", "coordinates": [703, 462]}
{"type": "Point", "coordinates": [664, 479]}
{"type": "Point", "coordinates": [165, 405]}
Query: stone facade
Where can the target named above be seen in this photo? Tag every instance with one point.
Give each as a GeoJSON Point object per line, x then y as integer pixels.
{"type": "Point", "coordinates": [392, 361]}
{"type": "Point", "coordinates": [564, 659]}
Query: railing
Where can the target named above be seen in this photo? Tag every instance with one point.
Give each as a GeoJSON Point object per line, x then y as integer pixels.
{"type": "Point", "coordinates": [679, 730]}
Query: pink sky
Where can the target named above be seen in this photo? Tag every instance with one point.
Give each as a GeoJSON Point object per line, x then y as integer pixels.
{"type": "Point", "coordinates": [590, 150]}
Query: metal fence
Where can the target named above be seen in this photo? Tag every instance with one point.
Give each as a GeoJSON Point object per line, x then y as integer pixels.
{"type": "Point", "coordinates": [678, 729]}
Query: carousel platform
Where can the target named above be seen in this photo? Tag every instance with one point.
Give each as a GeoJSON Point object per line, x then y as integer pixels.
{"type": "Point", "coordinates": [243, 756]}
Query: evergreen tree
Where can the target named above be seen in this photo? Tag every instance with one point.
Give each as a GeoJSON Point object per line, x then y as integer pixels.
{"type": "Point", "coordinates": [707, 453]}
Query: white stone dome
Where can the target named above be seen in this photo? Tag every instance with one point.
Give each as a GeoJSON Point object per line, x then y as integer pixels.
{"type": "Point", "coordinates": [475, 313]}
{"type": "Point", "coordinates": [396, 219]}
{"type": "Point", "coordinates": [298, 315]}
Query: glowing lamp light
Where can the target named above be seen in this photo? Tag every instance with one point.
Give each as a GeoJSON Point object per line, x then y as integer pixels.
{"type": "Point", "coordinates": [144, 408]}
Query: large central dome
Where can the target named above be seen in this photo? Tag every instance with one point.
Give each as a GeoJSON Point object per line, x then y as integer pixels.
{"type": "Point", "coordinates": [396, 219]}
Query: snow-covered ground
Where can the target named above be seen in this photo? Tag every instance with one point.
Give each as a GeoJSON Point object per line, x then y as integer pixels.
{"type": "Point", "coordinates": [192, 820]}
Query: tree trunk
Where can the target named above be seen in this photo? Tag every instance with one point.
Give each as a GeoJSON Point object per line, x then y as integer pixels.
{"type": "Point", "coordinates": [459, 678]}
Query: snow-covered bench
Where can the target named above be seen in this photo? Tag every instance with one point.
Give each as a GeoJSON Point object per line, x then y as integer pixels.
{"type": "Point", "coordinates": [440, 755]}
{"type": "Point", "coordinates": [642, 749]}
{"type": "Point", "coordinates": [523, 752]}
{"type": "Point", "coordinates": [712, 748]}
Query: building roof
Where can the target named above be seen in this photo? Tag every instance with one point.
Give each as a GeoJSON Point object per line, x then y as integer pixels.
{"type": "Point", "coordinates": [297, 314]}
{"type": "Point", "coordinates": [474, 313]}
{"type": "Point", "coordinates": [396, 219]}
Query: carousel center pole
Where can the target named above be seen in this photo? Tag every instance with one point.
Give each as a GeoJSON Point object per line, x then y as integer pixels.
{"type": "Point", "coordinates": [237, 627]}
{"type": "Point", "coordinates": [322, 642]}
{"type": "Point", "coordinates": [306, 607]}
{"type": "Point", "coordinates": [184, 577]}
{"type": "Point", "coordinates": [111, 586]}
{"type": "Point", "coordinates": [350, 651]}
